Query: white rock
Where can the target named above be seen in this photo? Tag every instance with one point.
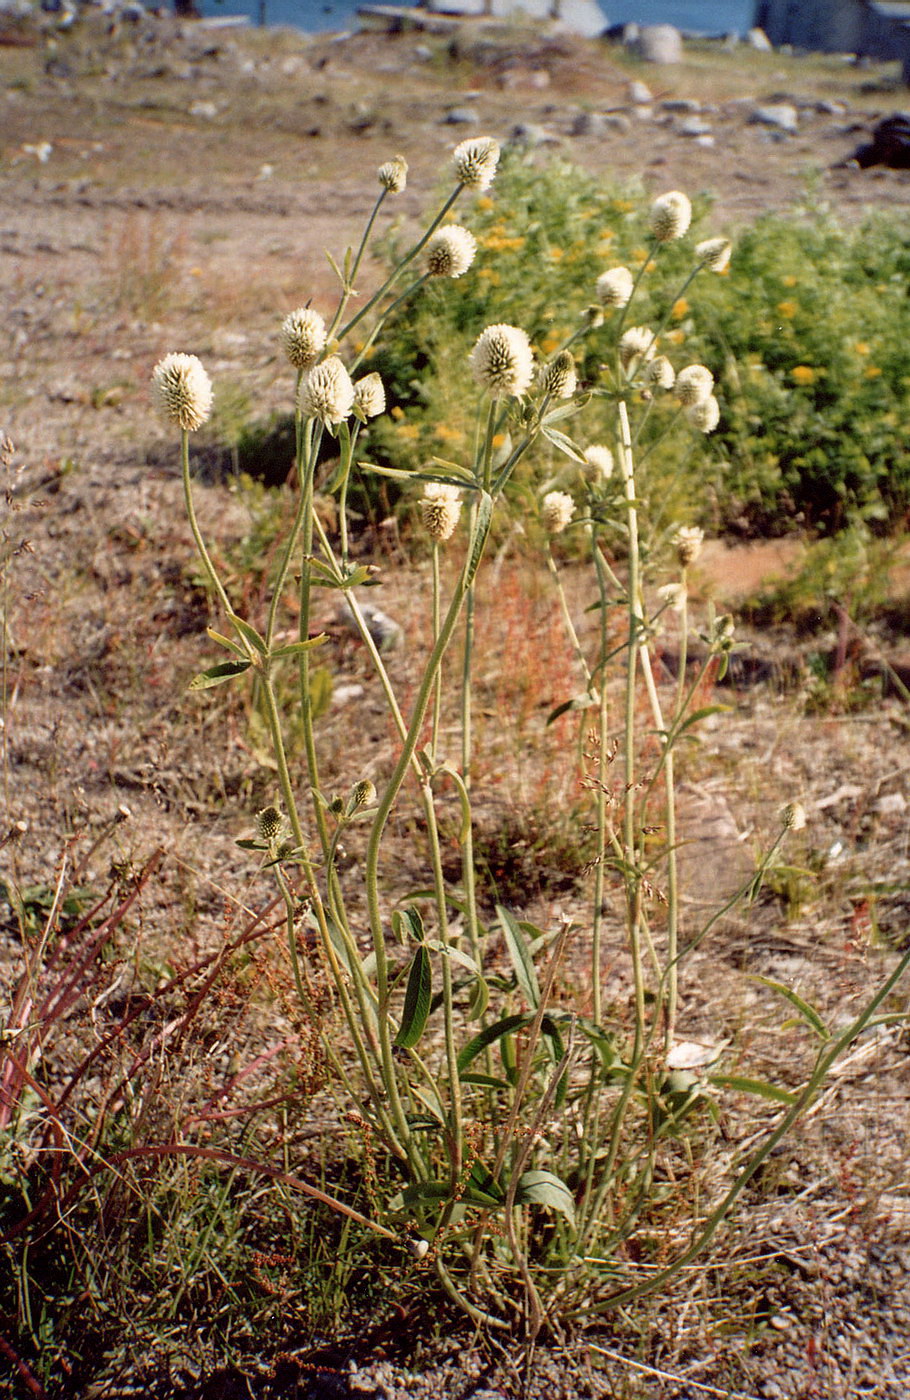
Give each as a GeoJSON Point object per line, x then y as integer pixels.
{"type": "Point", "coordinates": [758, 39]}
{"type": "Point", "coordinates": [659, 43]}
{"type": "Point", "coordinates": [782, 116]}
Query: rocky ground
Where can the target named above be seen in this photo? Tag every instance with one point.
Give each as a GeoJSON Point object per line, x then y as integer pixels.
{"type": "Point", "coordinates": [168, 187]}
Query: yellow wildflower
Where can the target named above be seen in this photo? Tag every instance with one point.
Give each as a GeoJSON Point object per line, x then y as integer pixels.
{"type": "Point", "coordinates": [803, 374]}
{"type": "Point", "coordinates": [787, 309]}
{"type": "Point", "coordinates": [680, 307]}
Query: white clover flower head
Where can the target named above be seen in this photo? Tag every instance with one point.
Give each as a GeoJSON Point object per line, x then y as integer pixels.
{"type": "Point", "coordinates": [687, 541]}
{"type": "Point", "coordinates": [559, 378]}
{"type": "Point", "coordinates": [183, 391]}
{"type": "Point", "coordinates": [704, 416]}
{"type": "Point", "coordinates": [694, 384]}
{"type": "Point", "coordinates": [476, 161]}
{"type": "Point", "coordinates": [600, 458]}
{"type": "Point", "coordinates": [327, 392]}
{"type": "Point", "coordinates": [363, 794]}
{"type": "Point", "coordinates": [614, 287]}
{"type": "Point", "coordinates": [637, 344]}
{"type": "Point", "coordinates": [671, 215]}
{"type": "Point", "coordinates": [393, 174]}
{"type": "Point", "coordinates": [556, 510]}
{"type": "Point", "coordinates": [502, 360]}
{"type": "Point", "coordinates": [674, 596]}
{"type": "Point", "coordinates": [793, 816]}
{"type": "Point", "coordinates": [714, 253]}
{"type": "Point", "coordinates": [440, 509]}
{"type": "Point", "coordinates": [303, 336]}
{"type": "Point", "coordinates": [450, 251]}
{"type": "Point", "coordinates": [369, 397]}
{"type": "Point", "coordinates": [661, 373]}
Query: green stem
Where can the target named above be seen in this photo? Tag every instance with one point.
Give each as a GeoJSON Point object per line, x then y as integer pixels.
{"type": "Point", "coordinates": [207, 564]}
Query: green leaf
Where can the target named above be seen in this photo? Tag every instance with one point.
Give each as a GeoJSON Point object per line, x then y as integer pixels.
{"type": "Point", "coordinates": [417, 1000]}
{"type": "Point", "coordinates": [752, 1086]}
{"type": "Point", "coordinates": [522, 962]}
{"type": "Point", "coordinates": [463, 476]}
{"type": "Point", "coordinates": [485, 1081]}
{"type": "Point", "coordinates": [225, 642]}
{"type": "Point", "coordinates": [541, 1188]}
{"type": "Point", "coordinates": [464, 800]}
{"type": "Point", "coordinates": [488, 1036]}
{"type": "Point", "coordinates": [448, 950]}
{"type": "Point", "coordinates": [217, 675]}
{"type": "Point", "coordinates": [480, 999]}
{"type": "Point", "coordinates": [407, 923]}
{"type": "Point", "coordinates": [583, 701]}
{"type": "Point", "coordinates": [565, 444]}
{"type": "Point", "coordinates": [249, 634]}
{"type": "Point", "coordinates": [298, 648]}
{"type": "Point", "coordinates": [701, 714]}
{"type": "Point", "coordinates": [807, 1012]}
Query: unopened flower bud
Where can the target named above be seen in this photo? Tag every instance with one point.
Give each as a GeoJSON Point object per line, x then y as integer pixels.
{"type": "Point", "coordinates": [559, 378]}
{"type": "Point", "coordinates": [268, 823]}
{"type": "Point", "coordinates": [183, 390]}
{"type": "Point", "coordinates": [369, 396]}
{"type": "Point", "coordinates": [671, 215]}
{"type": "Point", "coordinates": [793, 816]}
{"type": "Point", "coordinates": [393, 175]}
{"type": "Point", "coordinates": [557, 509]}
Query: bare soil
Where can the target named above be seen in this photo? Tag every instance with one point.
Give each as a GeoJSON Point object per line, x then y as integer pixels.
{"type": "Point", "coordinates": [194, 181]}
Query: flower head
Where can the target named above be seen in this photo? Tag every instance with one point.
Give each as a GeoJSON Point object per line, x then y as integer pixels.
{"type": "Point", "coordinates": [671, 215]}
{"type": "Point", "coordinates": [614, 287]}
{"type": "Point", "coordinates": [687, 541]}
{"type": "Point", "coordinates": [183, 390]}
{"type": "Point", "coordinates": [369, 397]}
{"type": "Point", "coordinates": [269, 823]}
{"type": "Point", "coordinates": [601, 458]}
{"type": "Point", "coordinates": [673, 596]}
{"type": "Point", "coordinates": [450, 251]}
{"type": "Point", "coordinates": [556, 509]}
{"type": "Point", "coordinates": [661, 373]}
{"type": "Point", "coordinates": [559, 378]}
{"type": "Point", "coordinates": [327, 392]}
{"type": "Point", "coordinates": [793, 816]}
{"type": "Point", "coordinates": [393, 174]}
{"type": "Point", "coordinates": [502, 360]}
{"type": "Point", "coordinates": [705, 415]}
{"type": "Point", "coordinates": [635, 345]}
{"type": "Point", "coordinates": [303, 337]}
{"type": "Point", "coordinates": [440, 509]}
{"type": "Point", "coordinates": [694, 384]}
{"type": "Point", "coordinates": [714, 253]}
{"type": "Point", "coordinates": [476, 161]}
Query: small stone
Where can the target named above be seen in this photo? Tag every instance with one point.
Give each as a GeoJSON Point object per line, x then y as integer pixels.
{"type": "Point", "coordinates": [694, 126]}
{"type": "Point", "coordinates": [528, 135]}
{"type": "Point", "coordinates": [782, 116]}
{"type": "Point", "coordinates": [680, 104]}
{"type": "Point", "coordinates": [461, 116]}
{"type": "Point", "coordinates": [640, 94]}
{"type": "Point", "coordinates": [758, 39]}
{"type": "Point", "coordinates": [659, 43]}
